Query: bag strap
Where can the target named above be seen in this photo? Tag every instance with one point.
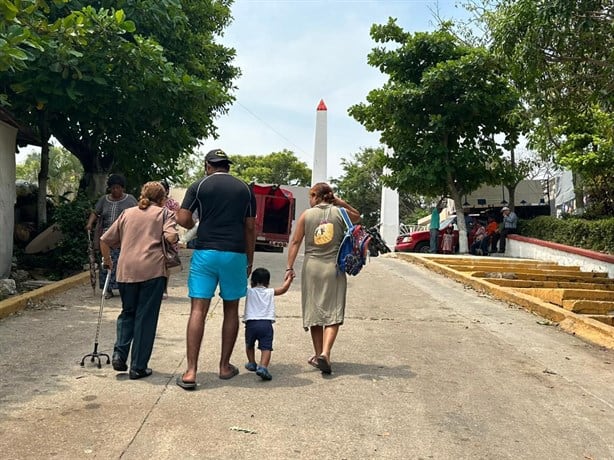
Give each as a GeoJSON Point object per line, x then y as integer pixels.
{"type": "Point", "coordinates": [346, 218]}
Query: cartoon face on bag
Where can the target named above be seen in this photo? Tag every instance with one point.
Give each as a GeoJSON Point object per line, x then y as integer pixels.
{"type": "Point", "coordinates": [324, 232]}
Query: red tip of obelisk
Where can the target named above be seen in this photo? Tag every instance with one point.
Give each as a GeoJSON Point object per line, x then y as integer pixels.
{"type": "Point", "coordinates": [322, 105]}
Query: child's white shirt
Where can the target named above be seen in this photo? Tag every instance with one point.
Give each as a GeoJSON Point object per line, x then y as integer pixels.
{"type": "Point", "coordinates": [259, 304]}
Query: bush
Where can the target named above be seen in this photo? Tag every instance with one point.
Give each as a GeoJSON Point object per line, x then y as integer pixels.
{"type": "Point", "coordinates": [596, 235]}
{"type": "Point", "coordinates": [70, 256]}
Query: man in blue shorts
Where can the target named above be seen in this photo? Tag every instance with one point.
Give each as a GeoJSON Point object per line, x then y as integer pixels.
{"type": "Point", "coordinates": [223, 256]}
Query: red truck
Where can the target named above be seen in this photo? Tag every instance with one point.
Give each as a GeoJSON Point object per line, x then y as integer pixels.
{"type": "Point", "coordinates": [275, 208]}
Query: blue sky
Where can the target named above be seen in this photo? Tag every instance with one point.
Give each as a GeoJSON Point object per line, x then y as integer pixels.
{"type": "Point", "coordinates": [292, 53]}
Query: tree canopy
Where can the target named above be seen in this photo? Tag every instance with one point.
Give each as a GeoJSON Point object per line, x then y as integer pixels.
{"type": "Point", "coordinates": [65, 172]}
{"type": "Point", "coordinates": [126, 86]}
{"type": "Point", "coordinates": [361, 185]}
{"type": "Point", "coordinates": [282, 168]}
{"type": "Point", "coordinates": [446, 111]}
{"type": "Point", "coordinates": [560, 54]}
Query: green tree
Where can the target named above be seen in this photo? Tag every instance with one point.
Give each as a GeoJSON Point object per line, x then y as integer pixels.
{"type": "Point", "coordinates": [65, 172]}
{"type": "Point", "coordinates": [19, 40]}
{"type": "Point", "coordinates": [134, 90]}
{"type": "Point", "coordinates": [560, 54]}
{"type": "Point", "coordinates": [282, 168]}
{"type": "Point", "coordinates": [361, 185]}
{"type": "Point", "coordinates": [445, 111]}
{"type": "Point", "coordinates": [54, 80]}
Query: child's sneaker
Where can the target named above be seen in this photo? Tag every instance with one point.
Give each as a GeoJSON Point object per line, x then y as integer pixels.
{"type": "Point", "coordinates": [252, 367]}
{"type": "Point", "coordinates": [263, 373]}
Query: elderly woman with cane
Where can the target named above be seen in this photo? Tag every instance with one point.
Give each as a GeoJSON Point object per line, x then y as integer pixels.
{"type": "Point", "coordinates": [141, 275]}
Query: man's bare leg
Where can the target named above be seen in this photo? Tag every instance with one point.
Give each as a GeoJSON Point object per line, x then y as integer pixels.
{"type": "Point", "coordinates": [195, 332]}
{"type": "Point", "coordinates": [230, 330]}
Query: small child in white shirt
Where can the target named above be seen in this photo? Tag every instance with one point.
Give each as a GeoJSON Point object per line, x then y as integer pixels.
{"type": "Point", "coordinates": [259, 317]}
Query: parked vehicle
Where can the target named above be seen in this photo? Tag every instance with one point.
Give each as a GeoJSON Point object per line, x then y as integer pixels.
{"type": "Point", "coordinates": [419, 241]}
{"type": "Point", "coordinates": [377, 245]}
{"type": "Point", "coordinates": [275, 208]}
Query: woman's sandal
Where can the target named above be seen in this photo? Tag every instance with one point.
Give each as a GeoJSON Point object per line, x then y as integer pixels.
{"type": "Point", "coordinates": [313, 361]}
{"type": "Point", "coordinates": [324, 364]}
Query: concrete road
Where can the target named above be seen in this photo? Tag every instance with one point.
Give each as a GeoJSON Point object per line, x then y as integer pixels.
{"type": "Point", "coordinates": [423, 369]}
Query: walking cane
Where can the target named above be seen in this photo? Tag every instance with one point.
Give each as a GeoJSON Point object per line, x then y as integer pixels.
{"type": "Point", "coordinates": [95, 355]}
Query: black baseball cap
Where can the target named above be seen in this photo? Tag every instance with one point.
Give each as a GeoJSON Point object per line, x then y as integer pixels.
{"type": "Point", "coordinates": [217, 156]}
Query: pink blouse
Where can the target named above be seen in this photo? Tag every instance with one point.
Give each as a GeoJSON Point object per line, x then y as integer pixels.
{"type": "Point", "coordinates": [139, 233]}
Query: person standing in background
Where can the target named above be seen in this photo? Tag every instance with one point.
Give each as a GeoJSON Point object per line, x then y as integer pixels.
{"type": "Point", "coordinates": [434, 227]}
{"type": "Point", "coordinates": [173, 206]}
{"type": "Point", "coordinates": [107, 209]}
{"type": "Point", "coordinates": [510, 222]}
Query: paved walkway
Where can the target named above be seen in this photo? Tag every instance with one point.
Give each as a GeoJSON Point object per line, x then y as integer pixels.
{"type": "Point", "coordinates": [424, 368]}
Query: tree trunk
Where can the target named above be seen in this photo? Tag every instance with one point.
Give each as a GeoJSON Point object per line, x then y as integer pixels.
{"type": "Point", "coordinates": [511, 191]}
{"type": "Point", "coordinates": [43, 174]}
{"type": "Point", "coordinates": [578, 189]}
{"type": "Point", "coordinates": [94, 184]}
{"type": "Point", "coordinates": [95, 168]}
{"type": "Point", "coordinates": [463, 247]}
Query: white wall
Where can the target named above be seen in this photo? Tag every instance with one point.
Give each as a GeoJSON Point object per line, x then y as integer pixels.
{"type": "Point", "coordinates": [8, 136]}
{"type": "Point", "coordinates": [524, 250]}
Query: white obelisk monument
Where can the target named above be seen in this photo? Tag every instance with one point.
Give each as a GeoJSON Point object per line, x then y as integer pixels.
{"type": "Point", "coordinates": [389, 212]}
{"type": "Point", "coordinates": [318, 172]}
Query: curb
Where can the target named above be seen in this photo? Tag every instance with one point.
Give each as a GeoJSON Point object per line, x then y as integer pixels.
{"type": "Point", "coordinates": [589, 329]}
{"type": "Point", "coordinates": [17, 303]}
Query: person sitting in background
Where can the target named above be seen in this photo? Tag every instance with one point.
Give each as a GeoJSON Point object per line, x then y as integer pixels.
{"type": "Point", "coordinates": [479, 236]}
{"type": "Point", "coordinates": [492, 234]}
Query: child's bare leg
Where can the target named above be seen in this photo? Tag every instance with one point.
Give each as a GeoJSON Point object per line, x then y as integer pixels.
{"type": "Point", "coordinates": [251, 355]}
{"type": "Point", "coordinates": [265, 358]}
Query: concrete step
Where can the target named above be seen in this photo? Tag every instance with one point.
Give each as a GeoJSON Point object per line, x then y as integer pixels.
{"type": "Point", "coordinates": [557, 296]}
{"type": "Point", "coordinates": [461, 260]}
{"type": "Point", "coordinates": [606, 319]}
{"type": "Point", "coordinates": [528, 283]}
{"type": "Point", "coordinates": [581, 277]}
{"type": "Point", "coordinates": [597, 307]}
{"type": "Point", "coordinates": [561, 271]}
{"type": "Point", "coordinates": [502, 263]}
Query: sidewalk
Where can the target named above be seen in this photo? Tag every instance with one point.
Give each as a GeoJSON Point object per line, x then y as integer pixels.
{"type": "Point", "coordinates": [423, 368]}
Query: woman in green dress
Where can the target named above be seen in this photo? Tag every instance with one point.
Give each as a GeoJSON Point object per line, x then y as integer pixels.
{"type": "Point", "coordinates": [323, 286]}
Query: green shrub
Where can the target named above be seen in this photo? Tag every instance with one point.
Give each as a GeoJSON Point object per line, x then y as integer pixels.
{"type": "Point", "coordinates": [596, 235]}
{"type": "Point", "coordinates": [71, 253]}
{"type": "Point", "coordinates": [70, 256]}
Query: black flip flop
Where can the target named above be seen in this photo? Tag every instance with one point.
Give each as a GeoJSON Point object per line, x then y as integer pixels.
{"type": "Point", "coordinates": [235, 371]}
{"type": "Point", "coordinates": [185, 385]}
{"type": "Point", "coordinates": [324, 365]}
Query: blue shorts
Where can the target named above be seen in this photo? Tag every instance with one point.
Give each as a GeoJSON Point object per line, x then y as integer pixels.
{"type": "Point", "coordinates": [260, 330]}
{"type": "Point", "coordinates": [210, 267]}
